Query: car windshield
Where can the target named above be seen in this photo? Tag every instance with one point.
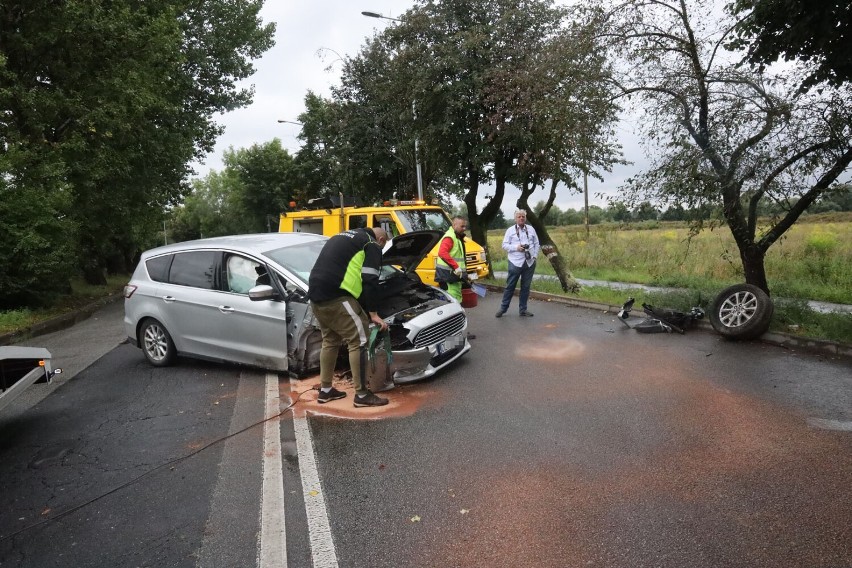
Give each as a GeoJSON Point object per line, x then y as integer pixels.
{"type": "Point", "coordinates": [298, 259]}
{"type": "Point", "coordinates": [423, 220]}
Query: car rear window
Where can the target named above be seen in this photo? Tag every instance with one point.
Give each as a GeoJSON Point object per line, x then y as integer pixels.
{"type": "Point", "coordinates": [195, 269]}
{"type": "Point", "coordinates": [158, 268]}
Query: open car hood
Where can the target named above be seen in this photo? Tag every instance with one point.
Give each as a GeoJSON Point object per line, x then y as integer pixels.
{"type": "Point", "coordinates": [408, 249]}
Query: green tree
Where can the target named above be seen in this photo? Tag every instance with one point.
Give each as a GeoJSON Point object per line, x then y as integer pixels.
{"type": "Point", "coordinates": [264, 178]}
{"type": "Point", "coordinates": [618, 211]}
{"type": "Point", "coordinates": [110, 103]}
{"type": "Point", "coordinates": [812, 31]}
{"type": "Point", "coordinates": [645, 212]}
{"type": "Point", "coordinates": [673, 213]}
{"type": "Point", "coordinates": [728, 137]}
{"type": "Point", "coordinates": [498, 89]}
{"type": "Point", "coordinates": [212, 208]}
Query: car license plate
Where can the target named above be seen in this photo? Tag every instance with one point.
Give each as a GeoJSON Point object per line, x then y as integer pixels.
{"type": "Point", "coordinates": [449, 344]}
{"type": "Point", "coordinates": [472, 276]}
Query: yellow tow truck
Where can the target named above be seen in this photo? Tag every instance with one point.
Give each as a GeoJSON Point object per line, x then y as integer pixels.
{"type": "Point", "coordinates": [325, 216]}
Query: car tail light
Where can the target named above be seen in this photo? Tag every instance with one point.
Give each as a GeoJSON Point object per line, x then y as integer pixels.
{"type": "Point", "coordinates": [128, 290]}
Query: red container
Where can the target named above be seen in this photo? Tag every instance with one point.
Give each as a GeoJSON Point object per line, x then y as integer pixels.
{"type": "Point", "coordinates": [468, 298]}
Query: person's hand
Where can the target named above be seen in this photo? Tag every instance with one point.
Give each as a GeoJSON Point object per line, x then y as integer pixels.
{"type": "Point", "coordinates": [374, 317]}
{"type": "Point", "coordinates": [459, 272]}
{"type": "Point", "coordinates": [520, 248]}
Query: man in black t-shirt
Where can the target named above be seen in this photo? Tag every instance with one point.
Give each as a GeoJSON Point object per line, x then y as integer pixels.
{"type": "Point", "coordinates": [345, 277]}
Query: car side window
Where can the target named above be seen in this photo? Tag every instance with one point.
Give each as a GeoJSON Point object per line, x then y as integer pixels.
{"type": "Point", "coordinates": [196, 269]}
{"type": "Point", "coordinates": [357, 221]}
{"type": "Point", "coordinates": [386, 223]}
{"type": "Point", "coordinates": [242, 274]}
{"type": "Point", "coordinates": [158, 267]}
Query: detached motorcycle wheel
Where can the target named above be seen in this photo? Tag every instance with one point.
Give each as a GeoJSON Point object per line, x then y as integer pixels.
{"type": "Point", "coordinates": [741, 311]}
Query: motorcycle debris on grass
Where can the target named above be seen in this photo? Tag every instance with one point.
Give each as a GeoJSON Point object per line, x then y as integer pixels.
{"type": "Point", "coordinates": [660, 320]}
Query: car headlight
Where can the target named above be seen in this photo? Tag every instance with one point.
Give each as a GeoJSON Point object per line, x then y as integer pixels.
{"type": "Point", "coordinates": [483, 256]}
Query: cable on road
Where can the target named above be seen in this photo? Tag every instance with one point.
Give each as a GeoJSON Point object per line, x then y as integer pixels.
{"type": "Point", "coordinates": [150, 472]}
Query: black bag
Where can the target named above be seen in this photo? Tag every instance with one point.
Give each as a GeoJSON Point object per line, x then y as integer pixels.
{"type": "Point", "coordinates": [445, 275]}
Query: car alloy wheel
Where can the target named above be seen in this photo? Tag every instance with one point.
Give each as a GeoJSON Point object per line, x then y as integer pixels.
{"type": "Point", "coordinates": [157, 344]}
{"type": "Point", "coordinates": [742, 311]}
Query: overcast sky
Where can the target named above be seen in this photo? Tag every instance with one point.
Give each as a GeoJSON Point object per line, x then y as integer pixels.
{"type": "Point", "coordinates": [308, 38]}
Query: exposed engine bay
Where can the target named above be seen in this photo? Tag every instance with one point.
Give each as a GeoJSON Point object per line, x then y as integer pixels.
{"type": "Point", "coordinates": [403, 297]}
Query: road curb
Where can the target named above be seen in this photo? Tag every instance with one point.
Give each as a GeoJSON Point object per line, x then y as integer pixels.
{"type": "Point", "coordinates": [59, 322]}
{"type": "Point", "coordinates": [784, 340]}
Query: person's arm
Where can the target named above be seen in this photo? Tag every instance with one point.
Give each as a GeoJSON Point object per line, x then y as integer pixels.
{"type": "Point", "coordinates": [370, 282]}
{"type": "Point", "coordinates": [507, 241]}
{"type": "Point", "coordinates": [444, 252]}
{"type": "Point", "coordinates": [535, 245]}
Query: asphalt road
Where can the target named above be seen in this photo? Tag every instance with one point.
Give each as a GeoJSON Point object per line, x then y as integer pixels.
{"type": "Point", "coordinates": [560, 440]}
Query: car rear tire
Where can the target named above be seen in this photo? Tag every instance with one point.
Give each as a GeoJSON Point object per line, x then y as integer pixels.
{"type": "Point", "coordinates": [742, 311]}
{"type": "Point", "coordinates": [157, 344]}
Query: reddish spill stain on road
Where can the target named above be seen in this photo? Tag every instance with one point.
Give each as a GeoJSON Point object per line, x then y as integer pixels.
{"type": "Point", "coordinates": [403, 400]}
{"type": "Point", "coordinates": [557, 350]}
{"type": "Point", "coordinates": [728, 480]}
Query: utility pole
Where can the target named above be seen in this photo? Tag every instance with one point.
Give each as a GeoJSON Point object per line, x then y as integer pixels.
{"type": "Point", "coordinates": [586, 197]}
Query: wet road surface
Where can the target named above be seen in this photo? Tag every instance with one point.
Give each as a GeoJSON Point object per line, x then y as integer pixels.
{"type": "Point", "coordinates": [565, 439]}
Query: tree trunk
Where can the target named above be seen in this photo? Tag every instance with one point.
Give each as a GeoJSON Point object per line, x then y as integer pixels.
{"type": "Point", "coordinates": [751, 254]}
{"type": "Point", "coordinates": [548, 247]}
{"type": "Point", "coordinates": [479, 221]}
{"type": "Point", "coordinates": [753, 267]}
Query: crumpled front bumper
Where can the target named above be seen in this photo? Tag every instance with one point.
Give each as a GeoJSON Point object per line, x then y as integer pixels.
{"type": "Point", "coordinates": [421, 363]}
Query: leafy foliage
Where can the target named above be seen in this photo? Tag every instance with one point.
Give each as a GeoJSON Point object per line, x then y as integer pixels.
{"type": "Point", "coordinates": [727, 137]}
{"type": "Point", "coordinates": [38, 250]}
{"type": "Point", "coordinates": [107, 104]}
{"type": "Point", "coordinates": [813, 31]}
{"type": "Point", "coordinates": [491, 90]}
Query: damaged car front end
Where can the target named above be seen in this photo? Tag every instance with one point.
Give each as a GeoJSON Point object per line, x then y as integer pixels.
{"type": "Point", "coordinates": [427, 328]}
{"type": "Point", "coordinates": [231, 298]}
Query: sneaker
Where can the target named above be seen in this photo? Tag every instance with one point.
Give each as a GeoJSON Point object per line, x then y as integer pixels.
{"type": "Point", "coordinates": [526, 315]}
{"type": "Point", "coordinates": [333, 394]}
{"type": "Point", "coordinates": [369, 399]}
{"type": "Point", "coordinates": [499, 314]}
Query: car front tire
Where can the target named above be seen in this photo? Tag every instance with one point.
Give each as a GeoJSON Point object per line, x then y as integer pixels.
{"type": "Point", "coordinates": [157, 344]}
{"type": "Point", "coordinates": [742, 311]}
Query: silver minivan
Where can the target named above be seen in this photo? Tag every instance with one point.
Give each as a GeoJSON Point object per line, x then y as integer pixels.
{"type": "Point", "coordinates": [243, 299]}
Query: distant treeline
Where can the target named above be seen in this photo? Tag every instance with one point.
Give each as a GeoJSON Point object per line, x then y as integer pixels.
{"type": "Point", "coordinates": [619, 212]}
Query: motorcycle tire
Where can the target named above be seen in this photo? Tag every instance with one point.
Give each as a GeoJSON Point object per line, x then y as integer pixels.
{"type": "Point", "coordinates": [741, 311]}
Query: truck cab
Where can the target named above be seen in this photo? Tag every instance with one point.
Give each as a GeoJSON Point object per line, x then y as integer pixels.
{"type": "Point", "coordinates": [327, 217]}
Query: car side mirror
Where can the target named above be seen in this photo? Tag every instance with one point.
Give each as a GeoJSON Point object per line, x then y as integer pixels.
{"type": "Point", "coordinates": [261, 293]}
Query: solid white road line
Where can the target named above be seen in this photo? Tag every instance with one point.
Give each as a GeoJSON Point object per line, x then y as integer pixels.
{"type": "Point", "coordinates": [273, 539]}
{"type": "Point", "coordinates": [319, 529]}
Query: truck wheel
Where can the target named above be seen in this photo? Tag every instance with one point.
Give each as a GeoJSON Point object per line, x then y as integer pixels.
{"type": "Point", "coordinates": [741, 311]}
{"type": "Point", "coordinates": [157, 344]}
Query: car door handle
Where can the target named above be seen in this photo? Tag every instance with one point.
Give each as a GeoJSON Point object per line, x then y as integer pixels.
{"type": "Point", "coordinates": [169, 299]}
{"type": "Point", "coordinates": [226, 309]}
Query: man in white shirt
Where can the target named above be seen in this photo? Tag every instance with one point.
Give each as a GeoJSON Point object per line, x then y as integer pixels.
{"type": "Point", "coordinates": [522, 246]}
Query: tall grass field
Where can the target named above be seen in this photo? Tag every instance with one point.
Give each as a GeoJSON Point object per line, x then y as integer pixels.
{"type": "Point", "coordinates": [813, 261]}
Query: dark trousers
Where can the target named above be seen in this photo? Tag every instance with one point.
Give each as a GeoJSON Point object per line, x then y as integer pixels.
{"type": "Point", "coordinates": [525, 275]}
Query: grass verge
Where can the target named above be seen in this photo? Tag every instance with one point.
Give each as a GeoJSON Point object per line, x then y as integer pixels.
{"type": "Point", "coordinates": [790, 316]}
{"type": "Point", "coordinates": [82, 294]}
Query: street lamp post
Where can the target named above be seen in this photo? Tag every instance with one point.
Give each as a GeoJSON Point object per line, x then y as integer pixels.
{"type": "Point", "coordinates": [413, 112]}
{"type": "Point", "coordinates": [417, 157]}
{"type": "Point", "coordinates": [377, 15]}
